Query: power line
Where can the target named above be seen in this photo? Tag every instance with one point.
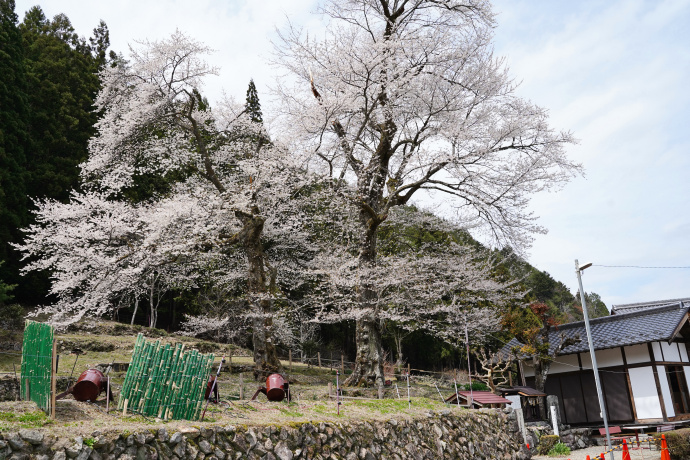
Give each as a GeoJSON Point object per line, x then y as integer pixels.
{"type": "Point", "coordinates": [636, 266]}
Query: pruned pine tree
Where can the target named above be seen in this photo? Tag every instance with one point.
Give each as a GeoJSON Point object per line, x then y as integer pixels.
{"type": "Point", "coordinates": [403, 97]}
{"type": "Point", "coordinates": [223, 196]}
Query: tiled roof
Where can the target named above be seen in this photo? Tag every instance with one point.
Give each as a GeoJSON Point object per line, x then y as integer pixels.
{"type": "Point", "coordinates": [631, 307]}
{"type": "Point", "coordinates": [622, 329]}
{"type": "Point", "coordinates": [523, 391]}
{"type": "Point", "coordinates": [481, 397]}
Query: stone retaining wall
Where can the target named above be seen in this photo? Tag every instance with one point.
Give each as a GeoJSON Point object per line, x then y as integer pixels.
{"type": "Point", "coordinates": [575, 438]}
{"type": "Point", "coordinates": [466, 435]}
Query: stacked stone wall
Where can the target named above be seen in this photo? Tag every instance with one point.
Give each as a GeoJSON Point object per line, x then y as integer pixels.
{"type": "Point", "coordinates": [442, 435]}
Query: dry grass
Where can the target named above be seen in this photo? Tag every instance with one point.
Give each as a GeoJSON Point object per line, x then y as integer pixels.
{"type": "Point", "coordinates": [113, 342]}
{"type": "Point", "coordinates": [75, 418]}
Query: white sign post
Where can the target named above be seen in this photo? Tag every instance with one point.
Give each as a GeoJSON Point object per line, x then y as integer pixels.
{"type": "Point", "coordinates": [554, 419]}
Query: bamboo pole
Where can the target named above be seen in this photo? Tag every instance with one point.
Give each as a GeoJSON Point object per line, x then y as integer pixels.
{"type": "Point", "coordinates": [173, 366]}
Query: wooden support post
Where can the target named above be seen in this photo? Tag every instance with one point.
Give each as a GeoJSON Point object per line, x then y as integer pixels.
{"type": "Point", "coordinates": [230, 363]}
{"type": "Point", "coordinates": [522, 373]}
{"type": "Point", "coordinates": [408, 368]}
{"type": "Point", "coordinates": [318, 355]}
{"type": "Point", "coordinates": [241, 385]}
{"type": "Point", "coordinates": [330, 388]}
{"type": "Point", "coordinates": [27, 389]}
{"type": "Point", "coordinates": [342, 364]}
{"type": "Point", "coordinates": [53, 379]}
{"type": "Point", "coordinates": [107, 396]}
{"type": "Point", "coordinates": [290, 359]}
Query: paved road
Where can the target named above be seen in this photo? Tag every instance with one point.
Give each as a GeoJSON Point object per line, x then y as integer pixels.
{"type": "Point", "coordinates": [642, 454]}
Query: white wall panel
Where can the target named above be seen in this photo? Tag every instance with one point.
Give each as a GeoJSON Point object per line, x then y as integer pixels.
{"type": "Point", "coordinates": [567, 363]}
{"type": "Point", "coordinates": [683, 353]}
{"type": "Point", "coordinates": [657, 351]}
{"type": "Point", "coordinates": [644, 392]}
{"type": "Point", "coordinates": [637, 354]}
{"type": "Point", "coordinates": [605, 358]}
{"type": "Point", "coordinates": [515, 404]}
{"type": "Point", "coordinates": [665, 391]}
{"type": "Point", "coordinates": [670, 352]}
{"type": "Point", "coordinates": [529, 370]}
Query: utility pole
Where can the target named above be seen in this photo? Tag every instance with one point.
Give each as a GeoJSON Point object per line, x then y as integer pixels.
{"type": "Point", "coordinates": [595, 368]}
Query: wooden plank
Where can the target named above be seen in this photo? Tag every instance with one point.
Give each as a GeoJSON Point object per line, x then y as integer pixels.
{"type": "Point", "coordinates": [53, 379]}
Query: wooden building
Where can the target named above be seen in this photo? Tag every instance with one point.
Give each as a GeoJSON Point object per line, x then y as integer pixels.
{"type": "Point", "coordinates": [642, 353]}
{"type": "Point", "coordinates": [525, 399]}
{"type": "Point", "coordinates": [480, 399]}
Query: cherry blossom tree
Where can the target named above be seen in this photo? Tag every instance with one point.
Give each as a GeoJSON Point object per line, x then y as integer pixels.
{"type": "Point", "coordinates": [426, 277]}
{"type": "Point", "coordinates": [220, 192]}
{"type": "Point", "coordinates": [405, 97]}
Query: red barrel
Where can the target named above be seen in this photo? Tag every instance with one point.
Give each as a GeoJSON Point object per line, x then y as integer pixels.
{"type": "Point", "coordinates": [89, 385]}
{"type": "Point", "coordinates": [275, 387]}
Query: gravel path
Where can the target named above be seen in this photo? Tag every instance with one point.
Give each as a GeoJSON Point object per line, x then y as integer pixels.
{"type": "Point", "coordinates": [642, 454]}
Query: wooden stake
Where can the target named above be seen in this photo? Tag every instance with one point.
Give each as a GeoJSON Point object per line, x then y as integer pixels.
{"type": "Point", "coordinates": [318, 355]}
{"type": "Point", "coordinates": [290, 358]}
{"type": "Point", "coordinates": [53, 379]}
{"type": "Point", "coordinates": [408, 369]}
{"type": "Point", "coordinates": [230, 363]}
{"type": "Point", "coordinates": [241, 385]}
{"type": "Point", "coordinates": [107, 396]}
{"type": "Point", "coordinates": [330, 388]}
{"type": "Point", "coordinates": [342, 364]}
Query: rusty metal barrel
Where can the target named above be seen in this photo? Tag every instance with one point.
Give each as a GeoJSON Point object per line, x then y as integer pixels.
{"type": "Point", "coordinates": [210, 385]}
{"type": "Point", "coordinates": [89, 385]}
{"type": "Point", "coordinates": [275, 387]}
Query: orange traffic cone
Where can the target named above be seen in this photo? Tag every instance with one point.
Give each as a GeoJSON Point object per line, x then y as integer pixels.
{"type": "Point", "coordinates": [588, 457]}
{"type": "Point", "coordinates": [665, 455]}
{"type": "Point", "coordinates": [626, 452]}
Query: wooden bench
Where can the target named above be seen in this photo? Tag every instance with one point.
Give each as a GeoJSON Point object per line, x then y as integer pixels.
{"type": "Point", "coordinates": [615, 430]}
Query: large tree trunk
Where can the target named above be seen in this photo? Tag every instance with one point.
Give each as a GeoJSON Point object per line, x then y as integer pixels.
{"type": "Point", "coordinates": [259, 285]}
{"type": "Point", "coordinates": [369, 358]}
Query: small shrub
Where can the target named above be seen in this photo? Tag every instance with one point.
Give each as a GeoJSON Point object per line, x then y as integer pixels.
{"type": "Point", "coordinates": [89, 441]}
{"type": "Point", "coordinates": [678, 442]}
{"type": "Point", "coordinates": [476, 386]}
{"type": "Point", "coordinates": [546, 443]}
{"type": "Point", "coordinates": [559, 449]}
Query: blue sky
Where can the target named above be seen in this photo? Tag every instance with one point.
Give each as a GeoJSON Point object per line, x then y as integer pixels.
{"type": "Point", "coordinates": [615, 73]}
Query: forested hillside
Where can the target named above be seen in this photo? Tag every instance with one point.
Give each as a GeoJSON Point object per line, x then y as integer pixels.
{"type": "Point", "coordinates": [187, 215]}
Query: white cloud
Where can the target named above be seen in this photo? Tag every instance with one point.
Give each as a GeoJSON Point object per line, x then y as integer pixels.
{"type": "Point", "coordinates": [616, 74]}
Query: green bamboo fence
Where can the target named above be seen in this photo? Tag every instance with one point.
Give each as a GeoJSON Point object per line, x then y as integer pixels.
{"type": "Point", "coordinates": [165, 381]}
{"type": "Point", "coordinates": [37, 359]}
